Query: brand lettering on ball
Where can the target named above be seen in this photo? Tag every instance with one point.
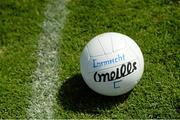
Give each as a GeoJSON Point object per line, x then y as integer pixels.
{"type": "Point", "coordinates": [121, 71]}
{"type": "Point", "coordinates": [116, 59]}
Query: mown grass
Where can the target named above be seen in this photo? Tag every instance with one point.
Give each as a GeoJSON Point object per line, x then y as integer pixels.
{"type": "Point", "coordinates": [20, 24]}
{"type": "Point", "coordinates": [155, 26]}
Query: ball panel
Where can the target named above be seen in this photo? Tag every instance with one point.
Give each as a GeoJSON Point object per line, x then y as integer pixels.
{"type": "Point", "coordinates": [106, 43]}
{"type": "Point", "coordinates": [131, 44]}
{"type": "Point", "coordinates": [117, 41]}
{"type": "Point", "coordinates": [84, 61]}
{"type": "Point", "coordinates": [95, 48]}
{"type": "Point", "coordinates": [110, 60]}
{"type": "Point", "coordinates": [110, 78]}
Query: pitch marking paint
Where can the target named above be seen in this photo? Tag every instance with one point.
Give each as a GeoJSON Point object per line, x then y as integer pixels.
{"type": "Point", "coordinates": [46, 75]}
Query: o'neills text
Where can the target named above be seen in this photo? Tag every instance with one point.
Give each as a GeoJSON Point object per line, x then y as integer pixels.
{"type": "Point", "coordinates": [121, 71]}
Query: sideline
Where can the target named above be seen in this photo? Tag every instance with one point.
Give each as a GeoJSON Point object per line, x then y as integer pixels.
{"type": "Point", "coordinates": [45, 76]}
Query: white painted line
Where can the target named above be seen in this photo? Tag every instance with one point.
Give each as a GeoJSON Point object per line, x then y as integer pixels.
{"type": "Point", "coordinates": [45, 77]}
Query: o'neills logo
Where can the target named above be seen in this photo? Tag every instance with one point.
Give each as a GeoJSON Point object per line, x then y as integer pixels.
{"type": "Point", "coordinates": [121, 71]}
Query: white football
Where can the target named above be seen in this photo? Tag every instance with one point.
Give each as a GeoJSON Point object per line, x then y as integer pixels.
{"type": "Point", "coordinates": [111, 64]}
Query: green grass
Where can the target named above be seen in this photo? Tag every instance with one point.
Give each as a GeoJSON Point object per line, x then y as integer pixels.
{"type": "Point", "coordinates": [20, 25]}
{"type": "Point", "coordinates": [154, 25]}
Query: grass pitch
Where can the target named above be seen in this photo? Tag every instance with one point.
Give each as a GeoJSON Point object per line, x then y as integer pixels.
{"type": "Point", "coordinates": [154, 25]}
{"type": "Point", "coordinates": [20, 25]}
